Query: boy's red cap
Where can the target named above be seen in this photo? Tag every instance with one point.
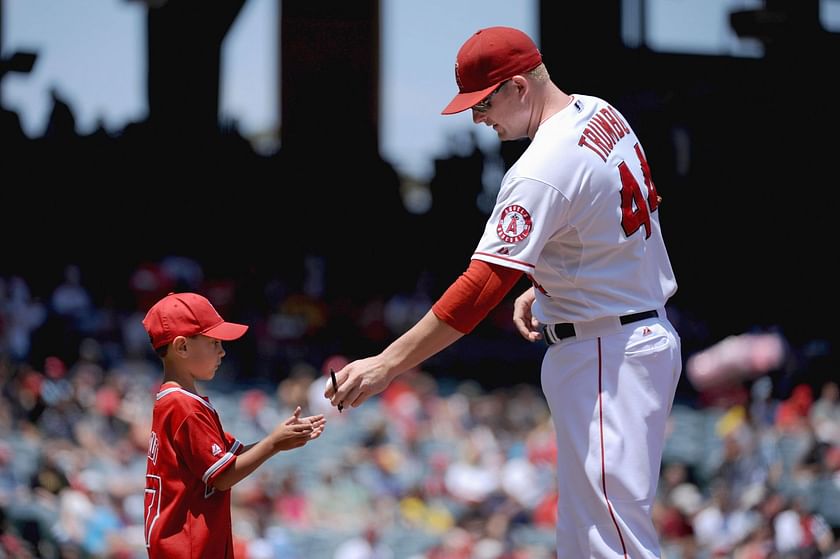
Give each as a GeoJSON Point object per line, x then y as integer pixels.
{"type": "Point", "coordinates": [488, 58]}
{"type": "Point", "coordinates": [187, 314]}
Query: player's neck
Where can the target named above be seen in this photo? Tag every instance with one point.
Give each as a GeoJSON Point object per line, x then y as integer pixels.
{"type": "Point", "coordinates": [185, 382]}
{"type": "Point", "coordinates": [554, 101]}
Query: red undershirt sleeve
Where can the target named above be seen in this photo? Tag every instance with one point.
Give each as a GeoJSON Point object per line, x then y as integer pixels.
{"type": "Point", "coordinates": [474, 294]}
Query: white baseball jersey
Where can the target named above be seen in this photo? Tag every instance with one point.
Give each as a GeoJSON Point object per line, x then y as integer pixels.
{"type": "Point", "coordinates": [578, 214]}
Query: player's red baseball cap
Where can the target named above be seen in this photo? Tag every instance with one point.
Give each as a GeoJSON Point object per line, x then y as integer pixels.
{"type": "Point", "coordinates": [187, 314]}
{"type": "Point", "coordinates": [487, 59]}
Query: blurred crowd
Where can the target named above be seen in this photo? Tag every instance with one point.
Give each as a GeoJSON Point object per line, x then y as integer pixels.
{"type": "Point", "coordinates": [453, 461]}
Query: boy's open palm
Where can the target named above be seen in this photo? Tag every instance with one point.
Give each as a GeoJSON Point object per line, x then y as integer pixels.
{"type": "Point", "coordinates": [296, 431]}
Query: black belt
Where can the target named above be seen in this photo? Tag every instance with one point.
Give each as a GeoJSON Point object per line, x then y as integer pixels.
{"type": "Point", "coordinates": [565, 330]}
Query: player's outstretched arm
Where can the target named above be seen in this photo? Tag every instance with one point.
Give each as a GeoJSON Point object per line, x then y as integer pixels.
{"type": "Point", "coordinates": [364, 378]}
{"type": "Point", "coordinates": [523, 319]}
{"type": "Point", "coordinates": [294, 432]}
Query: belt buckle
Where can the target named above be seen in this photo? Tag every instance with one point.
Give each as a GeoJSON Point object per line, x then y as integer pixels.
{"type": "Point", "coordinates": [548, 334]}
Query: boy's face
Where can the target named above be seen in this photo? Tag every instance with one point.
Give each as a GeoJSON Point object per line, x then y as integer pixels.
{"type": "Point", "coordinates": [205, 355]}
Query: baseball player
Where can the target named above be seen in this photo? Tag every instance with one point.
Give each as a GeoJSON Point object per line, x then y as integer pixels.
{"type": "Point", "coordinates": [578, 214]}
{"type": "Point", "coordinates": [192, 461]}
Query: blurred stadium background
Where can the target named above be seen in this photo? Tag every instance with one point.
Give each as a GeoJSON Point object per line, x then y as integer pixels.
{"type": "Point", "coordinates": [455, 460]}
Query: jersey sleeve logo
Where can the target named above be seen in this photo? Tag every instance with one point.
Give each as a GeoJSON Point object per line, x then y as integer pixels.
{"type": "Point", "coordinates": [215, 449]}
{"type": "Point", "coordinates": [514, 224]}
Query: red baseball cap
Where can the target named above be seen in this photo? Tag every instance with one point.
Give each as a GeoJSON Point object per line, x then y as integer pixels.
{"type": "Point", "coordinates": [187, 314]}
{"type": "Point", "coordinates": [487, 59]}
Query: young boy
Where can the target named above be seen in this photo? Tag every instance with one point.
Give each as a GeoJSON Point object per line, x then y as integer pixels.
{"type": "Point", "coordinates": [192, 461]}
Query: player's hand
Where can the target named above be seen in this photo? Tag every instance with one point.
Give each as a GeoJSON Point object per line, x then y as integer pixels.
{"type": "Point", "coordinates": [527, 326]}
{"type": "Point", "coordinates": [296, 431]}
{"type": "Point", "coordinates": [358, 381]}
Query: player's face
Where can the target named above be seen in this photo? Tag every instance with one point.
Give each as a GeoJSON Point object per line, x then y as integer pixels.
{"type": "Point", "coordinates": [205, 356]}
{"type": "Point", "coordinates": [498, 111]}
{"type": "Point", "coordinates": [484, 105]}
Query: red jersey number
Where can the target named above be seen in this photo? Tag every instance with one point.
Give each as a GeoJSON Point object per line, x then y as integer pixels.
{"type": "Point", "coordinates": [635, 212]}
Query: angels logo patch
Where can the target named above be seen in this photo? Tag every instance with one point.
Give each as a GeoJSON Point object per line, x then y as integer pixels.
{"type": "Point", "coordinates": [514, 224]}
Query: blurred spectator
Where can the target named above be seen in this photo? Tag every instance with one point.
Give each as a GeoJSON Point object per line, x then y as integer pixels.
{"type": "Point", "coordinates": [792, 414]}
{"type": "Point", "coordinates": [148, 283]}
{"type": "Point", "coordinates": [520, 480]}
{"type": "Point", "coordinates": [186, 274]}
{"type": "Point", "coordinates": [297, 384]}
{"type": "Point", "coordinates": [20, 315]}
{"type": "Point", "coordinates": [825, 414]}
{"type": "Point", "coordinates": [471, 478]}
{"type": "Point", "coordinates": [12, 546]}
{"type": "Point", "coordinates": [741, 466]}
{"type": "Point", "coordinates": [404, 310]}
{"type": "Point", "coordinates": [757, 545]}
{"type": "Point", "coordinates": [801, 533]}
{"type": "Point", "coordinates": [545, 512]}
{"type": "Point", "coordinates": [367, 545]}
{"type": "Point", "coordinates": [291, 505]}
{"type": "Point", "coordinates": [456, 544]}
{"type": "Point", "coordinates": [762, 403]}
{"type": "Point", "coordinates": [721, 524]}
{"type": "Point", "coordinates": [71, 300]}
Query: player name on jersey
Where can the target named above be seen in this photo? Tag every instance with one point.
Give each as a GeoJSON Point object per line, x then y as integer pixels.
{"type": "Point", "coordinates": [603, 131]}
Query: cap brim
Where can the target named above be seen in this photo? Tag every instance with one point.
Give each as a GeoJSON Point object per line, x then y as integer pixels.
{"type": "Point", "coordinates": [226, 331]}
{"type": "Point", "coordinates": [464, 101]}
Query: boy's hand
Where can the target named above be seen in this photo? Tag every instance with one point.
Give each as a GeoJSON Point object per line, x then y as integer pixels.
{"type": "Point", "coordinates": [317, 422]}
{"type": "Point", "coordinates": [296, 431]}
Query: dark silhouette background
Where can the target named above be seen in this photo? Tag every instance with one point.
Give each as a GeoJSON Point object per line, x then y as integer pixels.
{"type": "Point", "coordinates": [741, 151]}
{"type": "Point", "coordinates": [314, 250]}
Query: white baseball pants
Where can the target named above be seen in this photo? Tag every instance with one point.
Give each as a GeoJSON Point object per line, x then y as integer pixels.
{"type": "Point", "coordinates": [610, 396]}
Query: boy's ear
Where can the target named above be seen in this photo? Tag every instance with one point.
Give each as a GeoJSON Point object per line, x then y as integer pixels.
{"type": "Point", "coordinates": [179, 345]}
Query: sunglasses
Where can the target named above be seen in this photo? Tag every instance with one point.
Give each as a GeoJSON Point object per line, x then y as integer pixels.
{"type": "Point", "coordinates": [484, 105]}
